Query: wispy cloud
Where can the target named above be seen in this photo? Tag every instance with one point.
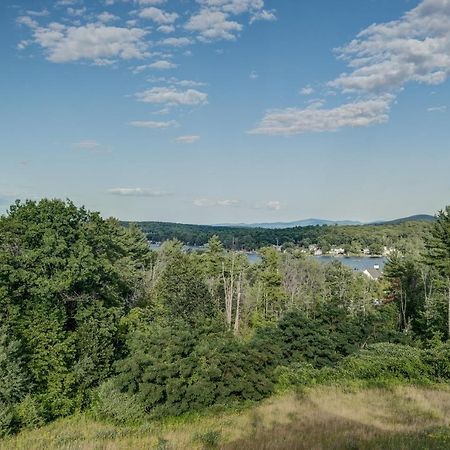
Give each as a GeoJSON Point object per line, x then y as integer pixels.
{"type": "Point", "coordinates": [307, 90]}
{"type": "Point", "coordinates": [272, 205]}
{"type": "Point", "coordinates": [172, 96]}
{"type": "Point", "coordinates": [91, 146]}
{"type": "Point", "coordinates": [138, 192]}
{"type": "Point", "coordinates": [439, 109]}
{"type": "Point", "coordinates": [188, 139]}
{"type": "Point", "coordinates": [211, 203]}
{"type": "Point", "coordinates": [154, 124]}
{"type": "Point", "coordinates": [163, 65]}
{"type": "Point", "coordinates": [316, 118]}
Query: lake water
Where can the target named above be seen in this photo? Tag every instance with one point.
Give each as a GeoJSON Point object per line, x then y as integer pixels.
{"type": "Point", "coordinates": [354, 262]}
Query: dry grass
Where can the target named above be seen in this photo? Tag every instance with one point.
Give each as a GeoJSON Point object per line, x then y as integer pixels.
{"type": "Point", "coordinates": [323, 418]}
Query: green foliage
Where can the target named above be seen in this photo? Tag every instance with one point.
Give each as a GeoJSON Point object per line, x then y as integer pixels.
{"type": "Point", "coordinates": [181, 292]}
{"type": "Point", "coordinates": [385, 361]}
{"type": "Point", "coordinates": [364, 236]}
{"type": "Point", "coordinates": [172, 369]}
{"type": "Point", "coordinates": [90, 317]}
{"type": "Point", "coordinates": [111, 404]}
{"type": "Point", "coordinates": [66, 275]}
{"type": "Point", "coordinates": [209, 440]}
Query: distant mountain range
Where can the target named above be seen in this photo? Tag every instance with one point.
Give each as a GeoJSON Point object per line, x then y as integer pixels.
{"type": "Point", "coordinates": [313, 222]}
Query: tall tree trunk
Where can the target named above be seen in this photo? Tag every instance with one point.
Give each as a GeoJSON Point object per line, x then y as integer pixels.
{"type": "Point", "coordinates": [448, 317]}
{"type": "Point", "coordinates": [238, 304]}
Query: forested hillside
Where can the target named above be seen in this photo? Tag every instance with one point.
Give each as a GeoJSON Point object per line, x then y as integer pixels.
{"type": "Point", "coordinates": [374, 237]}
{"type": "Point", "coordinates": [92, 320]}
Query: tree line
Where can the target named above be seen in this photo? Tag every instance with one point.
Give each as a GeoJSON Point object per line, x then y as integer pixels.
{"type": "Point", "coordinates": [353, 238]}
{"type": "Point", "coordinates": [92, 320]}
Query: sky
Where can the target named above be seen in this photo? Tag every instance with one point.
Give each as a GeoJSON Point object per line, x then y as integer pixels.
{"type": "Point", "coordinates": [212, 111]}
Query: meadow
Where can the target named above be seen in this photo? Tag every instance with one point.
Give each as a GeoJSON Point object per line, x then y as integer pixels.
{"type": "Point", "coordinates": [401, 417]}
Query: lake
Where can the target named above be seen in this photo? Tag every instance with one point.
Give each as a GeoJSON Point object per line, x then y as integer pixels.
{"type": "Point", "coordinates": [354, 262]}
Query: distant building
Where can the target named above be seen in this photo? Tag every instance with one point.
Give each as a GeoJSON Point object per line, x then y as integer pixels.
{"type": "Point", "coordinates": [387, 251]}
{"type": "Point", "coordinates": [374, 273]}
{"type": "Point", "coordinates": [337, 251]}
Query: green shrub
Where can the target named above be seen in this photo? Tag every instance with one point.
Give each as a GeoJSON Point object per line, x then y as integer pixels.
{"type": "Point", "coordinates": [209, 440]}
{"type": "Point", "coordinates": [175, 368]}
{"type": "Point", "coordinates": [386, 361]}
{"type": "Point", "coordinates": [118, 407]}
{"type": "Point", "coordinates": [437, 358]}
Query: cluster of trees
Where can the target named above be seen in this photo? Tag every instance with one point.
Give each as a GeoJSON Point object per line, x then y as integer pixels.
{"type": "Point", "coordinates": [92, 319]}
{"type": "Point", "coordinates": [353, 238]}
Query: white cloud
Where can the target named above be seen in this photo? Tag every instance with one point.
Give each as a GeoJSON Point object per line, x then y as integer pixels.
{"type": "Point", "coordinates": [253, 75]}
{"type": "Point", "coordinates": [107, 17]}
{"type": "Point", "coordinates": [386, 56]}
{"type": "Point", "coordinates": [233, 6]}
{"type": "Point", "coordinates": [441, 109]}
{"type": "Point", "coordinates": [150, 2]}
{"type": "Point", "coordinates": [176, 42]}
{"type": "Point", "coordinates": [91, 42]}
{"type": "Point", "coordinates": [272, 205]}
{"type": "Point", "coordinates": [154, 124]}
{"type": "Point", "coordinates": [166, 29]}
{"type": "Point", "coordinates": [162, 65]}
{"type": "Point", "coordinates": [188, 139]}
{"type": "Point", "coordinates": [91, 146]}
{"type": "Point", "coordinates": [172, 96]}
{"type": "Point", "coordinates": [138, 192]}
{"type": "Point", "coordinates": [382, 59]}
{"type": "Point", "coordinates": [264, 14]}
{"type": "Point", "coordinates": [42, 13]}
{"type": "Point", "coordinates": [315, 118]}
{"type": "Point", "coordinates": [211, 203]}
{"type": "Point", "coordinates": [77, 11]}
{"type": "Point", "coordinates": [307, 90]}
{"type": "Point", "coordinates": [213, 25]}
{"type": "Point", "coordinates": [158, 15]}
{"type": "Point", "coordinates": [87, 145]}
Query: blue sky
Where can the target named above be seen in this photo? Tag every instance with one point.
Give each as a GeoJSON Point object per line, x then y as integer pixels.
{"type": "Point", "coordinates": [209, 111]}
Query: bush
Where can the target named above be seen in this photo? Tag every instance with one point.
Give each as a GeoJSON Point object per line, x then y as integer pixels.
{"type": "Point", "coordinates": [111, 404]}
{"type": "Point", "coordinates": [172, 369]}
{"type": "Point", "coordinates": [438, 360]}
{"type": "Point", "coordinates": [380, 362]}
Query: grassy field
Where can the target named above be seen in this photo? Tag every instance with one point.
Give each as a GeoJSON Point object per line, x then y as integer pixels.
{"type": "Point", "coordinates": [322, 418]}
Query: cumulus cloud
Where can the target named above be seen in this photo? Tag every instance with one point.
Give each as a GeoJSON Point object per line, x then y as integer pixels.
{"type": "Point", "coordinates": [211, 203]}
{"type": "Point", "coordinates": [315, 118]}
{"type": "Point", "coordinates": [172, 96]}
{"type": "Point", "coordinates": [386, 56]}
{"type": "Point", "coordinates": [213, 25]}
{"type": "Point", "coordinates": [138, 192]}
{"type": "Point", "coordinates": [154, 124]}
{"type": "Point", "coordinates": [162, 65]}
{"type": "Point", "coordinates": [166, 28]}
{"type": "Point", "coordinates": [158, 15]}
{"type": "Point", "coordinates": [176, 41]}
{"type": "Point", "coordinates": [382, 59]}
{"type": "Point", "coordinates": [87, 42]}
{"type": "Point", "coordinates": [188, 139]}
{"type": "Point", "coordinates": [107, 17]}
